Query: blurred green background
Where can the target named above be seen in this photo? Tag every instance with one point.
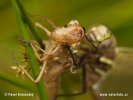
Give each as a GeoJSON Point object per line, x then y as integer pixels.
{"type": "Point", "coordinates": [117, 14]}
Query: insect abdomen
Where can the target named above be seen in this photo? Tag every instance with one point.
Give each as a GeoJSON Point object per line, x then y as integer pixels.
{"type": "Point", "coordinates": [52, 87]}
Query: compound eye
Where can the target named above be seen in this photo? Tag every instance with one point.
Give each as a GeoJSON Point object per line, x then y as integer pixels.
{"type": "Point", "coordinates": [104, 33]}
{"type": "Point", "coordinates": [73, 22]}
{"type": "Point", "coordinates": [100, 33]}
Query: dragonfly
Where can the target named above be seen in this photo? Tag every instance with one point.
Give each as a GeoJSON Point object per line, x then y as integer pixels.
{"type": "Point", "coordinates": [99, 59]}
{"type": "Point", "coordinates": [69, 47]}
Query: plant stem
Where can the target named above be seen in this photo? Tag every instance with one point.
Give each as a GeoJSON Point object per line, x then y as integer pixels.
{"type": "Point", "coordinates": [29, 52]}
{"type": "Point", "coordinates": [30, 24]}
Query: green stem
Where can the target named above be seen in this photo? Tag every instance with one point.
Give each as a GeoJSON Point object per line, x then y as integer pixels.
{"type": "Point", "coordinates": [26, 18]}
{"type": "Point", "coordinates": [30, 53]}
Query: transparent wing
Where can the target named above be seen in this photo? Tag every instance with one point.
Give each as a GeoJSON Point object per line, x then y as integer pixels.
{"type": "Point", "coordinates": [71, 83]}
{"type": "Point", "coordinates": [124, 61]}
{"type": "Point", "coordinates": [120, 80]}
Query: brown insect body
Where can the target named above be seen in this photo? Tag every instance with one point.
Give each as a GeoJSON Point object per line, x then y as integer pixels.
{"type": "Point", "coordinates": [56, 65]}
{"type": "Point", "coordinates": [69, 35]}
{"type": "Point", "coordinates": [57, 56]}
{"type": "Point", "coordinates": [60, 60]}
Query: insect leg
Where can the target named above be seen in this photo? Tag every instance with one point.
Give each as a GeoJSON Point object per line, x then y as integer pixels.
{"type": "Point", "coordinates": [45, 19]}
{"type": "Point", "coordinates": [106, 61]}
{"type": "Point", "coordinates": [84, 82]}
{"type": "Point", "coordinates": [51, 52]}
{"type": "Point", "coordinates": [37, 47]}
{"type": "Point", "coordinates": [41, 72]}
{"type": "Point", "coordinates": [43, 28]}
{"type": "Point", "coordinates": [30, 77]}
{"type": "Point", "coordinates": [34, 47]}
{"type": "Point", "coordinates": [55, 49]}
{"type": "Point", "coordinates": [21, 67]}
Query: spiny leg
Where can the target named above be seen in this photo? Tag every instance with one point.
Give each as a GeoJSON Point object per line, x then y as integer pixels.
{"type": "Point", "coordinates": [30, 77]}
{"type": "Point", "coordinates": [34, 46]}
{"type": "Point", "coordinates": [52, 51]}
{"type": "Point", "coordinates": [45, 19]}
{"type": "Point", "coordinates": [44, 61]}
{"type": "Point", "coordinates": [21, 67]}
{"type": "Point", "coordinates": [43, 28]}
{"type": "Point", "coordinates": [41, 72]}
{"type": "Point", "coordinates": [34, 49]}
{"type": "Point", "coordinates": [37, 47]}
{"type": "Point", "coordinates": [55, 49]}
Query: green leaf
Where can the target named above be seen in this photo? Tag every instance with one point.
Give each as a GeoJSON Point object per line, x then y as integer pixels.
{"type": "Point", "coordinates": [17, 82]}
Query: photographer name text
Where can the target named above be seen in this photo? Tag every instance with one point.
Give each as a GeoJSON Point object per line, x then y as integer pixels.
{"type": "Point", "coordinates": [19, 94]}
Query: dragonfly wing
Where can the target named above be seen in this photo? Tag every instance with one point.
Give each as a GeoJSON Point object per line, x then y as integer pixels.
{"type": "Point", "coordinates": [120, 79]}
